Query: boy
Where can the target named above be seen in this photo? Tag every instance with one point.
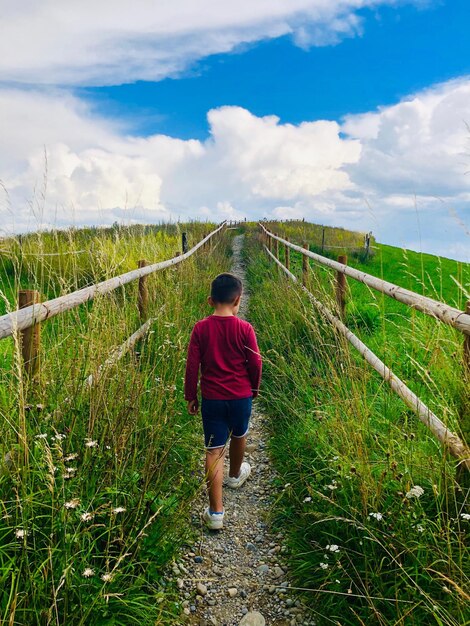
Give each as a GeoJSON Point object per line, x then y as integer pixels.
{"type": "Point", "coordinates": [225, 348]}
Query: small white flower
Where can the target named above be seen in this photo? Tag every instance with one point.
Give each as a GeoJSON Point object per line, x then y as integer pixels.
{"type": "Point", "coordinates": [414, 492]}
{"type": "Point", "coordinates": [324, 565]}
{"type": "Point", "coordinates": [333, 486]}
{"type": "Point", "coordinates": [287, 485]}
{"type": "Point", "coordinates": [420, 528]}
{"type": "Point", "coordinates": [72, 504]}
{"type": "Point", "coordinates": [88, 572]}
{"type": "Point", "coordinates": [377, 516]}
{"type": "Point", "coordinates": [70, 457]}
{"type": "Point", "coordinates": [91, 444]}
{"type": "Point", "coordinates": [308, 499]}
{"type": "Point", "coordinates": [87, 517]}
{"type": "Point", "coordinates": [119, 509]}
{"type": "Point", "coordinates": [70, 470]}
{"type": "Point", "coordinates": [107, 578]}
{"type": "Point", "coordinates": [41, 436]}
{"type": "Point", "coordinates": [332, 548]}
{"type": "Point", "coordinates": [59, 437]}
{"type": "Point", "coordinates": [465, 516]}
{"type": "Point", "coordinates": [20, 533]}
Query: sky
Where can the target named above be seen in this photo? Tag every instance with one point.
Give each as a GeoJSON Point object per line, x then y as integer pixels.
{"type": "Point", "coordinates": [352, 113]}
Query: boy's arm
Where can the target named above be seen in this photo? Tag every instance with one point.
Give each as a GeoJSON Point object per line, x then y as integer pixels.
{"type": "Point", "coordinates": [253, 361]}
{"type": "Point", "coordinates": [192, 367]}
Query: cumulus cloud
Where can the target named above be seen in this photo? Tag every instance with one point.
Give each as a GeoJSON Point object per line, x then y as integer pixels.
{"type": "Point", "coordinates": [419, 145]}
{"type": "Point", "coordinates": [399, 171]}
{"type": "Point", "coordinates": [79, 164]}
{"type": "Point", "coordinates": [113, 42]}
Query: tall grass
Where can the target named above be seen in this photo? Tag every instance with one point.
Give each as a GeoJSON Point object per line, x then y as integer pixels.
{"type": "Point", "coordinates": [96, 481]}
{"type": "Point", "coordinates": [377, 524]}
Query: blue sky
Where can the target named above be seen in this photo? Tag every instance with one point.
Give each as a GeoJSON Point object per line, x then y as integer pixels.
{"type": "Point", "coordinates": [351, 113]}
{"type": "Point", "coordinates": [400, 52]}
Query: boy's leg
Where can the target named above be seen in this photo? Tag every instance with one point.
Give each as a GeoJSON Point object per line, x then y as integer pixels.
{"type": "Point", "coordinates": [236, 454]}
{"type": "Point", "coordinates": [215, 478]}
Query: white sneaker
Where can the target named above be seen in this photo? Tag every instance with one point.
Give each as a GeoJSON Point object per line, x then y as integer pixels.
{"type": "Point", "coordinates": [213, 521]}
{"type": "Point", "coordinates": [235, 483]}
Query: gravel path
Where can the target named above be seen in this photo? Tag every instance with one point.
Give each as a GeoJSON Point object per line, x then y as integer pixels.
{"type": "Point", "coordinates": [238, 575]}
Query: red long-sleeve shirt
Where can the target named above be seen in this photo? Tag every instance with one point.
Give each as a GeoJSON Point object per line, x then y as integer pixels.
{"type": "Point", "coordinates": [225, 348]}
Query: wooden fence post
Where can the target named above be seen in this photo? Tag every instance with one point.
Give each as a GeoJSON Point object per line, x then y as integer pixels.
{"type": "Point", "coordinates": [304, 265]}
{"type": "Point", "coordinates": [270, 241]}
{"type": "Point", "coordinates": [30, 338]}
{"type": "Point", "coordinates": [341, 287]}
{"type": "Point", "coordinates": [143, 294]}
{"type": "Point", "coordinates": [287, 254]}
{"type": "Point", "coordinates": [276, 247]}
{"type": "Point", "coordinates": [184, 242]}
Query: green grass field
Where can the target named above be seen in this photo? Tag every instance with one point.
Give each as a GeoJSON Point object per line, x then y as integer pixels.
{"type": "Point", "coordinates": [349, 451]}
{"type": "Point", "coordinates": [96, 483]}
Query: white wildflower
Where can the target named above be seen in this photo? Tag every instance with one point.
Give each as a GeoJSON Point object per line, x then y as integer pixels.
{"type": "Point", "coordinates": [420, 528]}
{"type": "Point", "coordinates": [119, 509]}
{"type": "Point", "coordinates": [72, 504]}
{"type": "Point", "coordinates": [332, 548]}
{"type": "Point", "coordinates": [88, 572]}
{"type": "Point", "coordinates": [70, 470]}
{"type": "Point", "coordinates": [59, 437]}
{"type": "Point", "coordinates": [70, 457]}
{"type": "Point", "coordinates": [308, 499]}
{"type": "Point", "coordinates": [91, 444]}
{"type": "Point", "coordinates": [107, 578]}
{"type": "Point", "coordinates": [20, 533]}
{"type": "Point", "coordinates": [41, 436]}
{"type": "Point", "coordinates": [333, 486]}
{"type": "Point", "coordinates": [324, 565]}
{"type": "Point", "coordinates": [465, 516]}
{"type": "Point", "coordinates": [377, 516]}
{"type": "Point", "coordinates": [87, 517]}
{"type": "Point", "coordinates": [414, 492]}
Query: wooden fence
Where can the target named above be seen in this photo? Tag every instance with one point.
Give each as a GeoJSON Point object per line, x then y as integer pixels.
{"type": "Point", "coordinates": [26, 320]}
{"type": "Point", "coordinates": [441, 311]}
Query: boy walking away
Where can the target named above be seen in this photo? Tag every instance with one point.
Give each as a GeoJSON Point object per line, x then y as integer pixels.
{"type": "Point", "coordinates": [225, 350]}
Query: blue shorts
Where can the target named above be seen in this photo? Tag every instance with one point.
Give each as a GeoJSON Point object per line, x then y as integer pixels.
{"type": "Point", "coordinates": [222, 419]}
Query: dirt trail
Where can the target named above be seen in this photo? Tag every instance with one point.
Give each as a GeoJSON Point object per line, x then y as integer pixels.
{"type": "Point", "coordinates": [237, 575]}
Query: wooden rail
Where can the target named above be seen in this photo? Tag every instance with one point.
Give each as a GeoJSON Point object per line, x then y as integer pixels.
{"type": "Point", "coordinates": [447, 314]}
{"type": "Point", "coordinates": [31, 315]}
{"type": "Point", "coordinates": [452, 442]}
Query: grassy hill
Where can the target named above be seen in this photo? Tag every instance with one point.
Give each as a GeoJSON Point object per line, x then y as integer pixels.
{"type": "Point", "coordinates": [351, 454]}
{"type": "Point", "coordinates": [96, 482]}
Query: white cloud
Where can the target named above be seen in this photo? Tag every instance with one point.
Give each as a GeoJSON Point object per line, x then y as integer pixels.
{"type": "Point", "coordinates": [118, 41]}
{"type": "Point", "coordinates": [399, 171]}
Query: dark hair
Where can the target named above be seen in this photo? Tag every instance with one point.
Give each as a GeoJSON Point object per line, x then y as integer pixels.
{"type": "Point", "coordinates": [226, 288]}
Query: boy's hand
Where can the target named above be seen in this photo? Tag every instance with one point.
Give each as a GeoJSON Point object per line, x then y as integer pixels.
{"type": "Point", "coordinates": [193, 407]}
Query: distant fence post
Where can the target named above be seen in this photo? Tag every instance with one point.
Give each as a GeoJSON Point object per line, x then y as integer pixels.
{"type": "Point", "coordinates": [323, 240]}
{"type": "Point", "coordinates": [304, 265]}
{"type": "Point", "coordinates": [367, 243]}
{"type": "Point", "coordinates": [341, 286]}
{"type": "Point", "coordinates": [30, 338]}
{"type": "Point", "coordinates": [184, 242]}
{"type": "Point", "coordinates": [276, 247]}
{"type": "Point", "coordinates": [287, 254]}
{"type": "Point", "coordinates": [143, 294]}
{"type": "Point", "coordinates": [270, 241]}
